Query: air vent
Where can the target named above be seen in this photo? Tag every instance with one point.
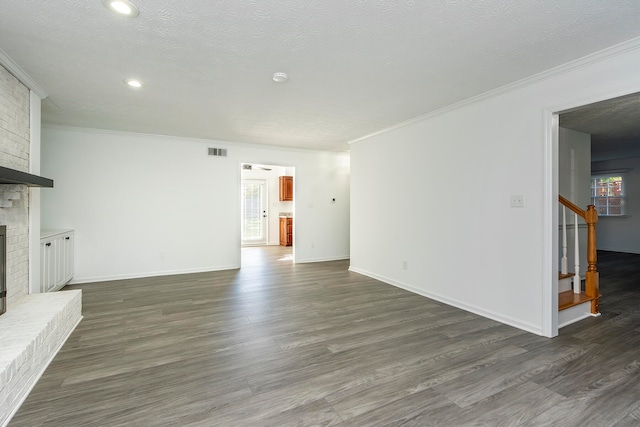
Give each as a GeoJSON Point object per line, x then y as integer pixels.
{"type": "Point", "coordinates": [220, 152]}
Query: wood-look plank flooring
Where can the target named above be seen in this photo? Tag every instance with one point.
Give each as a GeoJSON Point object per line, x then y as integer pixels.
{"type": "Point", "coordinates": [278, 344]}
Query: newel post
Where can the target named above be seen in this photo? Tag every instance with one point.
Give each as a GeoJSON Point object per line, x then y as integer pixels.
{"type": "Point", "coordinates": [592, 276]}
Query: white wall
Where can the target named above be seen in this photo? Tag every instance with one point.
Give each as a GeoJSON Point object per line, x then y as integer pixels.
{"type": "Point", "coordinates": [621, 234]}
{"type": "Point", "coordinates": [34, 193]}
{"type": "Point", "coordinates": [578, 188]}
{"type": "Point", "coordinates": [146, 205]}
{"type": "Point", "coordinates": [436, 194]}
{"type": "Point", "coordinates": [574, 183]}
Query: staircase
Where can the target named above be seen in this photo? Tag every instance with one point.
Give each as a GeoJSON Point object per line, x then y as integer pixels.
{"type": "Point", "coordinates": [575, 301]}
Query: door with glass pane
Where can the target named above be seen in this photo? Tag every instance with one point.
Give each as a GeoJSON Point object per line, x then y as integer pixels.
{"type": "Point", "coordinates": [254, 212]}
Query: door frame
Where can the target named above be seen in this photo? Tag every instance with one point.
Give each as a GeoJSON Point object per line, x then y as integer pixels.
{"type": "Point", "coordinates": [550, 222]}
{"type": "Point", "coordinates": [291, 169]}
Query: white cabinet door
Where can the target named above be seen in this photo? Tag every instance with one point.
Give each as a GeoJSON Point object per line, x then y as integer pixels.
{"type": "Point", "coordinates": [56, 257]}
{"type": "Point", "coordinates": [67, 257]}
{"type": "Point", "coordinates": [48, 260]}
{"type": "Point", "coordinates": [58, 249]}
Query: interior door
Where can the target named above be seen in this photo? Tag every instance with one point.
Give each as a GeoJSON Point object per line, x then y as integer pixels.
{"type": "Point", "coordinates": [254, 212]}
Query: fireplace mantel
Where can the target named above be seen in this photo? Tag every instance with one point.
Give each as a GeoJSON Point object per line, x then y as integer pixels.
{"type": "Point", "coordinates": [12, 176]}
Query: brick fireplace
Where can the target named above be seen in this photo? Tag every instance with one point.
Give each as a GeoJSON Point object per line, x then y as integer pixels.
{"type": "Point", "coordinates": [14, 153]}
{"type": "Point", "coordinates": [34, 326]}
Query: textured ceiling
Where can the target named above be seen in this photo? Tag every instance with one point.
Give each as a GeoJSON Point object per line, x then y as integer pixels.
{"type": "Point", "coordinates": [614, 126]}
{"type": "Point", "coordinates": [355, 66]}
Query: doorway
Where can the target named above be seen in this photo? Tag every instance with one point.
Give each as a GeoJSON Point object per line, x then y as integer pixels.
{"type": "Point", "coordinates": [263, 208]}
{"type": "Point", "coordinates": [613, 145]}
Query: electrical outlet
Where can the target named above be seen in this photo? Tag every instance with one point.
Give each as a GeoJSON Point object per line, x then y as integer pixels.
{"type": "Point", "coordinates": [405, 265]}
{"type": "Point", "coordinates": [517, 201]}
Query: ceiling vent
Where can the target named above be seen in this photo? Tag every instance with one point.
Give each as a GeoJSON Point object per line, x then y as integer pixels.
{"type": "Point", "coordinates": [220, 152]}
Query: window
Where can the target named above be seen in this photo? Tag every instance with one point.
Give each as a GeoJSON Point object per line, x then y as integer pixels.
{"type": "Point", "coordinates": [608, 194]}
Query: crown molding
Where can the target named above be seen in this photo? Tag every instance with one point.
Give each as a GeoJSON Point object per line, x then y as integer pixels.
{"type": "Point", "coordinates": [598, 56]}
{"type": "Point", "coordinates": [222, 143]}
{"type": "Point", "coordinates": [21, 75]}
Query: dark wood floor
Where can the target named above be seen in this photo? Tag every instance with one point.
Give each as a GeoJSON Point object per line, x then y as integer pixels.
{"type": "Point", "coordinates": [276, 344]}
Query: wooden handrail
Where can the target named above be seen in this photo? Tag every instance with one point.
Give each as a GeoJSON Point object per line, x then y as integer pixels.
{"type": "Point", "coordinates": [592, 277]}
{"type": "Point", "coordinates": [575, 208]}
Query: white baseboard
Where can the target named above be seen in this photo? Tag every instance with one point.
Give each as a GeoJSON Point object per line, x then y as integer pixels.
{"type": "Point", "coordinates": [80, 280]}
{"type": "Point", "coordinates": [534, 329]}
{"type": "Point", "coordinates": [310, 260]}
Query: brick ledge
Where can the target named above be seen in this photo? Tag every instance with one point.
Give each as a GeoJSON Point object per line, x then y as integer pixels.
{"type": "Point", "coordinates": [32, 332]}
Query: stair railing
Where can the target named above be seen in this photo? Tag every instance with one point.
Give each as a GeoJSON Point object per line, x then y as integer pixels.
{"type": "Point", "coordinates": [591, 276]}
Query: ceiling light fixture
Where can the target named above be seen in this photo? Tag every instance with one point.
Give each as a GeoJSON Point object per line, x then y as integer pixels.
{"type": "Point", "coordinates": [280, 77]}
{"type": "Point", "coordinates": [134, 83]}
{"type": "Point", "coordinates": [122, 7]}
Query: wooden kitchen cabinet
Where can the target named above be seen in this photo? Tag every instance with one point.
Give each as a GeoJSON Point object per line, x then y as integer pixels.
{"type": "Point", "coordinates": [286, 231]}
{"type": "Point", "coordinates": [286, 188]}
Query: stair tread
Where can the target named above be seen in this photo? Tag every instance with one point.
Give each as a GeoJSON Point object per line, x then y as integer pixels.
{"type": "Point", "coordinates": [565, 276]}
{"type": "Point", "coordinates": [568, 299]}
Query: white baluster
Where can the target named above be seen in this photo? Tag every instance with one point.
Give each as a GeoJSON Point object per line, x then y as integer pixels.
{"type": "Point", "coordinates": [576, 262]}
{"type": "Point", "coordinates": [563, 262]}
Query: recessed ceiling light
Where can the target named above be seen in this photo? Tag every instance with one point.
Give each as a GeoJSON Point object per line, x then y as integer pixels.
{"type": "Point", "coordinates": [122, 7]}
{"type": "Point", "coordinates": [280, 77]}
{"type": "Point", "coordinates": [134, 83]}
